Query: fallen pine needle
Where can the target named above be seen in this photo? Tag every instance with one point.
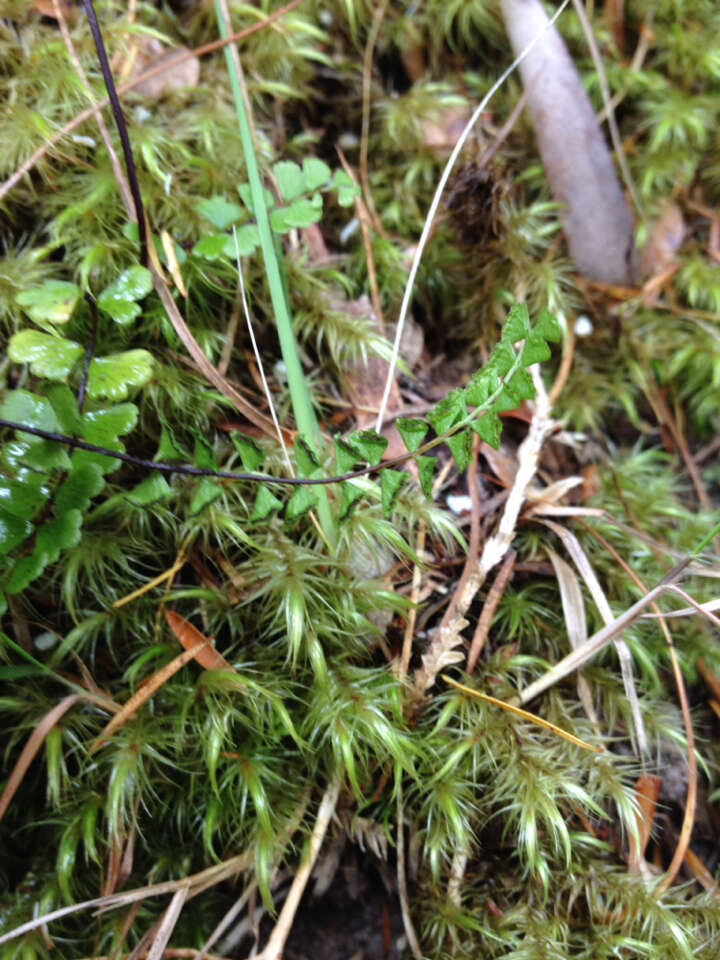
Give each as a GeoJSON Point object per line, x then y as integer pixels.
{"type": "Point", "coordinates": [530, 717]}
{"type": "Point", "coordinates": [145, 692]}
{"type": "Point", "coordinates": [34, 743]}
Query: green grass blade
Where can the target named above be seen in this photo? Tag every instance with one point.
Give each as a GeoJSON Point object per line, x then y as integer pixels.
{"type": "Point", "coordinates": [302, 406]}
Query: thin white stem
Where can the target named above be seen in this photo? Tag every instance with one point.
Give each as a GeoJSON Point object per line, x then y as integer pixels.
{"type": "Point", "coordinates": [410, 933]}
{"type": "Point", "coordinates": [436, 203]}
{"type": "Point", "coordinates": [266, 387]}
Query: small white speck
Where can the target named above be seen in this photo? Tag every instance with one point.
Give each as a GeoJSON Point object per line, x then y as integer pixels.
{"type": "Point", "coordinates": [326, 18]}
{"type": "Point", "coordinates": [348, 140]}
{"type": "Point", "coordinates": [459, 503]}
{"type": "Point", "coordinates": [141, 114]}
{"type": "Point", "coordinates": [280, 372]}
{"type": "Point", "coordinates": [349, 230]}
{"type": "Point", "coordinates": [45, 641]}
{"type": "Point", "coordinates": [83, 141]}
{"type": "Point", "coordinates": [583, 326]}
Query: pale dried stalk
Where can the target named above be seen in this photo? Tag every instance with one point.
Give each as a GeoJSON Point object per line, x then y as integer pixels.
{"type": "Point", "coordinates": [442, 651]}
{"type": "Point", "coordinates": [457, 874]}
{"type": "Point", "coordinates": [202, 362]}
{"type": "Point", "coordinates": [683, 844]}
{"type": "Point", "coordinates": [576, 659]}
{"type": "Point", "coordinates": [408, 925]}
{"type": "Point", "coordinates": [412, 614]}
{"type": "Point", "coordinates": [167, 924]}
{"type": "Point", "coordinates": [276, 944]}
{"type": "Point", "coordinates": [197, 883]}
{"type": "Point", "coordinates": [576, 625]}
{"type": "Point", "coordinates": [572, 545]}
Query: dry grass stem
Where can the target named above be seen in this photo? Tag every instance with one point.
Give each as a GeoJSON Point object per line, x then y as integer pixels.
{"type": "Point", "coordinates": [276, 943]}
{"type": "Point", "coordinates": [495, 595]}
{"type": "Point", "coordinates": [597, 641]}
{"type": "Point", "coordinates": [31, 748]}
{"type": "Point", "coordinates": [414, 598]}
{"type": "Point", "coordinates": [432, 212]}
{"type": "Point", "coordinates": [256, 351]}
{"type": "Point", "coordinates": [151, 686]}
{"type": "Point", "coordinates": [576, 625]}
{"type": "Point", "coordinates": [201, 361]}
{"type": "Point", "coordinates": [524, 714]}
{"type": "Point", "coordinates": [579, 557]}
{"type": "Point", "coordinates": [197, 883]}
{"type": "Point", "coordinates": [691, 798]}
{"type": "Point", "coordinates": [408, 925]}
{"type": "Point", "coordinates": [442, 651]}
{"type": "Point", "coordinates": [168, 923]}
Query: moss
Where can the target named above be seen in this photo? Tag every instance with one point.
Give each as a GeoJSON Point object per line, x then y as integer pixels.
{"type": "Point", "coordinates": [213, 766]}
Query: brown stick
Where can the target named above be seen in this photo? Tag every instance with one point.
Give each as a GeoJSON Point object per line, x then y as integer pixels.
{"type": "Point", "coordinates": [488, 611]}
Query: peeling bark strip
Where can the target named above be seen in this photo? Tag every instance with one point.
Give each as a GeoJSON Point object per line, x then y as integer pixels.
{"type": "Point", "coordinates": [597, 221]}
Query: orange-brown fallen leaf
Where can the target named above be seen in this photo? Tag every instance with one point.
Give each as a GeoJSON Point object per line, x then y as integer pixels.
{"type": "Point", "coordinates": [700, 871]}
{"type": "Point", "coordinates": [46, 8]}
{"type": "Point", "coordinates": [189, 636]}
{"type": "Point", "coordinates": [647, 790]}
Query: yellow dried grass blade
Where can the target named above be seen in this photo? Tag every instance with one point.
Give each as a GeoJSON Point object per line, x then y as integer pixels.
{"type": "Point", "coordinates": [530, 717]}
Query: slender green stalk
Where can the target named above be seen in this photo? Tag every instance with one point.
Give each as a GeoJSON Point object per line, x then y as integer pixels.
{"type": "Point", "coordinates": [300, 396]}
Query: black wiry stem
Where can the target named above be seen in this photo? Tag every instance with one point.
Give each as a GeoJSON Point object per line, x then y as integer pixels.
{"type": "Point", "coordinates": [121, 126]}
{"type": "Point", "coordinates": [89, 352]}
{"type": "Point", "coordinates": [189, 470]}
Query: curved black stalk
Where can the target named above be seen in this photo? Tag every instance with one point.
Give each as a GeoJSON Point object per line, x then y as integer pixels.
{"type": "Point", "coordinates": [188, 470]}
{"type": "Point", "coordinates": [89, 352]}
{"type": "Point", "coordinates": [122, 128]}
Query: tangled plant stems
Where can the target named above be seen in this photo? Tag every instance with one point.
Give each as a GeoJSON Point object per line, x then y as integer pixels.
{"type": "Point", "coordinates": [126, 471]}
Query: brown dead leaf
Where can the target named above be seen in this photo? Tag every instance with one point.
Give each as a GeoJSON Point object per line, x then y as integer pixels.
{"type": "Point", "coordinates": [665, 239]}
{"type": "Point", "coordinates": [647, 790]}
{"type": "Point", "coordinates": [189, 636]}
{"type": "Point", "coordinates": [592, 484]}
{"type": "Point", "coordinates": [364, 382]}
{"type": "Point", "coordinates": [151, 54]}
{"type": "Point", "coordinates": [442, 133]}
{"type": "Point", "coordinates": [46, 8]}
{"type": "Point", "coordinates": [503, 466]}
